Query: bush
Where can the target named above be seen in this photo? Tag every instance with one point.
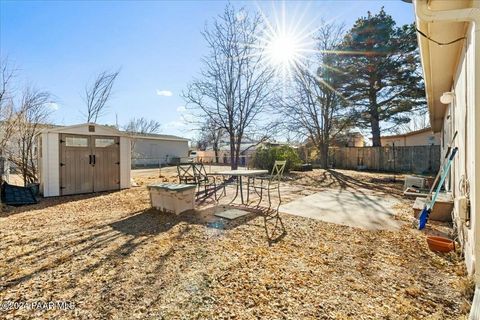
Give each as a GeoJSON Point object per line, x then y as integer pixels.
{"type": "Point", "coordinates": [265, 157]}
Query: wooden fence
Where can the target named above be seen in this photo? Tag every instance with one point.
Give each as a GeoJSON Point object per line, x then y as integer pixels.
{"type": "Point", "coordinates": [416, 159]}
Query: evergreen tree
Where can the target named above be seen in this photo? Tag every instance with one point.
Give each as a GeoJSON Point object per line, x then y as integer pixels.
{"type": "Point", "coordinates": [385, 83]}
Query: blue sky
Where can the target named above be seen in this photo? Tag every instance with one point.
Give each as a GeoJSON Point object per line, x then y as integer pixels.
{"type": "Point", "coordinates": [59, 46]}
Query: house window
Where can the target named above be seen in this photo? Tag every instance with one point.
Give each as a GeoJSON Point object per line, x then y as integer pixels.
{"type": "Point", "coordinates": [76, 142]}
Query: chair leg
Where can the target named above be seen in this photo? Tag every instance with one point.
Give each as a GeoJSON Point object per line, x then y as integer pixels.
{"type": "Point", "coordinates": [279, 198]}
{"type": "Point", "coordinates": [269, 198]}
{"type": "Point", "coordinates": [261, 193]}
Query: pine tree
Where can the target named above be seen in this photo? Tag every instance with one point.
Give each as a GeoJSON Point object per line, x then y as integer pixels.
{"type": "Point", "coordinates": [385, 82]}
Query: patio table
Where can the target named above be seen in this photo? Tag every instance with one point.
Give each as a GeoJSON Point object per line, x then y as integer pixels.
{"type": "Point", "coordinates": [239, 174]}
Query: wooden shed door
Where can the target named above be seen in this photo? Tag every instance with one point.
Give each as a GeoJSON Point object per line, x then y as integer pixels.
{"type": "Point", "coordinates": [89, 164]}
{"type": "Point", "coordinates": [107, 163]}
{"type": "Point", "coordinates": [76, 171]}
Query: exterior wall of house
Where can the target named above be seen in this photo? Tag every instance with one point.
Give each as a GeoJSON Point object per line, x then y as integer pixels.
{"type": "Point", "coordinates": [356, 141]}
{"type": "Point", "coordinates": [420, 139]}
{"type": "Point", "coordinates": [153, 152]}
{"type": "Point", "coordinates": [460, 117]}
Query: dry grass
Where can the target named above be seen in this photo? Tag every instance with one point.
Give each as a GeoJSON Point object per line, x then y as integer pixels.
{"type": "Point", "coordinates": [116, 258]}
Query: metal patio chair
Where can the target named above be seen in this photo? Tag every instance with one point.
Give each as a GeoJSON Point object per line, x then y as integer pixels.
{"type": "Point", "coordinates": [268, 183]}
{"type": "Point", "coordinates": [195, 173]}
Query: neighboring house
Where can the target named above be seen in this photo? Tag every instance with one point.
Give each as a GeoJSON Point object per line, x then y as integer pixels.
{"type": "Point", "coordinates": [247, 151]}
{"type": "Point", "coordinates": [153, 150]}
{"type": "Point", "coordinates": [452, 82]}
{"type": "Point", "coordinates": [423, 137]}
{"type": "Point", "coordinates": [350, 139]}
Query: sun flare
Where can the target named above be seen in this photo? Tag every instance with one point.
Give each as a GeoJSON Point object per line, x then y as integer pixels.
{"type": "Point", "coordinates": [282, 50]}
{"type": "Point", "coordinates": [287, 41]}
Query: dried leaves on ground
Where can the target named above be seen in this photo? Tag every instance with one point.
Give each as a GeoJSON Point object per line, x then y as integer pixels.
{"type": "Point", "coordinates": [116, 258]}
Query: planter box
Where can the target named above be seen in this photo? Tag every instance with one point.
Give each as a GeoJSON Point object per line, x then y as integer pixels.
{"type": "Point", "coordinates": [170, 197]}
{"type": "Point", "coordinates": [441, 211]}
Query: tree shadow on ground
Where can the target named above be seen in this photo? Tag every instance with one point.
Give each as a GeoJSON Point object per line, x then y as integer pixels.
{"type": "Point", "coordinates": [378, 185]}
{"type": "Point", "coordinates": [44, 203]}
{"type": "Point", "coordinates": [335, 179]}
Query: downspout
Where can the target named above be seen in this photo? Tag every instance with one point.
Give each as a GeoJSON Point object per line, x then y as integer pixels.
{"type": "Point", "coordinates": [424, 13]}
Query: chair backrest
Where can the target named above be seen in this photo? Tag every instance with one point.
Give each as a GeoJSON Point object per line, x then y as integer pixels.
{"type": "Point", "coordinates": [278, 168]}
{"type": "Point", "coordinates": [200, 172]}
{"type": "Point", "coordinates": [186, 173]}
{"type": "Point", "coordinates": [191, 173]}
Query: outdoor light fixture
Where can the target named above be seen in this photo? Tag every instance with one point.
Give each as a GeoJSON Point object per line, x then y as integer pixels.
{"type": "Point", "coordinates": [447, 97]}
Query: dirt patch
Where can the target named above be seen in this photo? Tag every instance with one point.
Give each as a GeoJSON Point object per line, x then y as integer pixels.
{"type": "Point", "coordinates": [114, 257]}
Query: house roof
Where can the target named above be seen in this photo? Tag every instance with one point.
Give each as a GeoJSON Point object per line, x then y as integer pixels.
{"type": "Point", "coordinates": [411, 133]}
{"type": "Point", "coordinates": [439, 62]}
{"type": "Point", "coordinates": [154, 136]}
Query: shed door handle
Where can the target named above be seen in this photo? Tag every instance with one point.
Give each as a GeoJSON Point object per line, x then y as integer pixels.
{"type": "Point", "coordinates": [94, 159]}
{"type": "Point", "coordinates": [89, 159]}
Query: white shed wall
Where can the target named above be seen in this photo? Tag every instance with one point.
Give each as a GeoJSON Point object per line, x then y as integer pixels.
{"type": "Point", "coordinates": [50, 164]}
{"type": "Point", "coordinates": [125, 162]}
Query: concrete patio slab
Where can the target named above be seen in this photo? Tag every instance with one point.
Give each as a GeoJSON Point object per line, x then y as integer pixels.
{"type": "Point", "coordinates": [232, 214]}
{"type": "Point", "coordinates": [351, 208]}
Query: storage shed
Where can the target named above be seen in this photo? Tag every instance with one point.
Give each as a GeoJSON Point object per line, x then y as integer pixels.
{"type": "Point", "coordinates": [83, 158]}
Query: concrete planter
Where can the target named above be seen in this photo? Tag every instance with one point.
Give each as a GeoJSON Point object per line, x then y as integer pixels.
{"type": "Point", "coordinates": [175, 198]}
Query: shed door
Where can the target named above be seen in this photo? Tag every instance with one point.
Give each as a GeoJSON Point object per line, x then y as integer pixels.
{"type": "Point", "coordinates": [89, 164]}
{"type": "Point", "coordinates": [76, 171]}
{"type": "Point", "coordinates": [106, 153]}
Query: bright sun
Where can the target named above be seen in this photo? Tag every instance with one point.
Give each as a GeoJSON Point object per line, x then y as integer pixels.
{"type": "Point", "coordinates": [282, 50]}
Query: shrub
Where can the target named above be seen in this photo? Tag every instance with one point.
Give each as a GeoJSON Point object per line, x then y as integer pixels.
{"type": "Point", "coordinates": [265, 157]}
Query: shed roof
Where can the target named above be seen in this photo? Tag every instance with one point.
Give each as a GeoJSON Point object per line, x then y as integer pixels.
{"type": "Point", "coordinates": [71, 129]}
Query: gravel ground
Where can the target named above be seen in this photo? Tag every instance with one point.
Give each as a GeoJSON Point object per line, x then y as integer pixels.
{"type": "Point", "coordinates": [115, 258]}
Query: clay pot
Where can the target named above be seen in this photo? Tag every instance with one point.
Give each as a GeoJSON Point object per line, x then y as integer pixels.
{"type": "Point", "coordinates": [440, 244]}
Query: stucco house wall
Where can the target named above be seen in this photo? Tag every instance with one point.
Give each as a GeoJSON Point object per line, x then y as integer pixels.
{"type": "Point", "coordinates": [417, 138]}
{"type": "Point", "coordinates": [453, 71]}
{"type": "Point", "coordinates": [459, 117]}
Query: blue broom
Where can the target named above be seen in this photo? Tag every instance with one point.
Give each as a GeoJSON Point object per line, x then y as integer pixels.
{"type": "Point", "coordinates": [423, 218]}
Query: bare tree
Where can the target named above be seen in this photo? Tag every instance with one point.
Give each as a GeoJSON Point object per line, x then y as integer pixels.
{"type": "Point", "coordinates": [141, 126]}
{"type": "Point", "coordinates": [418, 120]}
{"type": "Point", "coordinates": [31, 117]}
{"type": "Point", "coordinates": [211, 134]}
{"type": "Point", "coordinates": [7, 110]}
{"type": "Point", "coordinates": [97, 95]}
{"type": "Point", "coordinates": [316, 108]}
{"type": "Point", "coordinates": [234, 87]}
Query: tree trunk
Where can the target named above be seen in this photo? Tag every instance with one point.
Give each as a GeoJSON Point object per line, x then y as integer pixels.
{"type": "Point", "coordinates": [324, 155]}
{"type": "Point", "coordinates": [374, 117]}
{"type": "Point", "coordinates": [233, 163]}
{"type": "Point", "coordinates": [376, 142]}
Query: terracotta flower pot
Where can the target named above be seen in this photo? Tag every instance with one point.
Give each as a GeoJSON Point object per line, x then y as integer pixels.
{"type": "Point", "coordinates": [440, 244]}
